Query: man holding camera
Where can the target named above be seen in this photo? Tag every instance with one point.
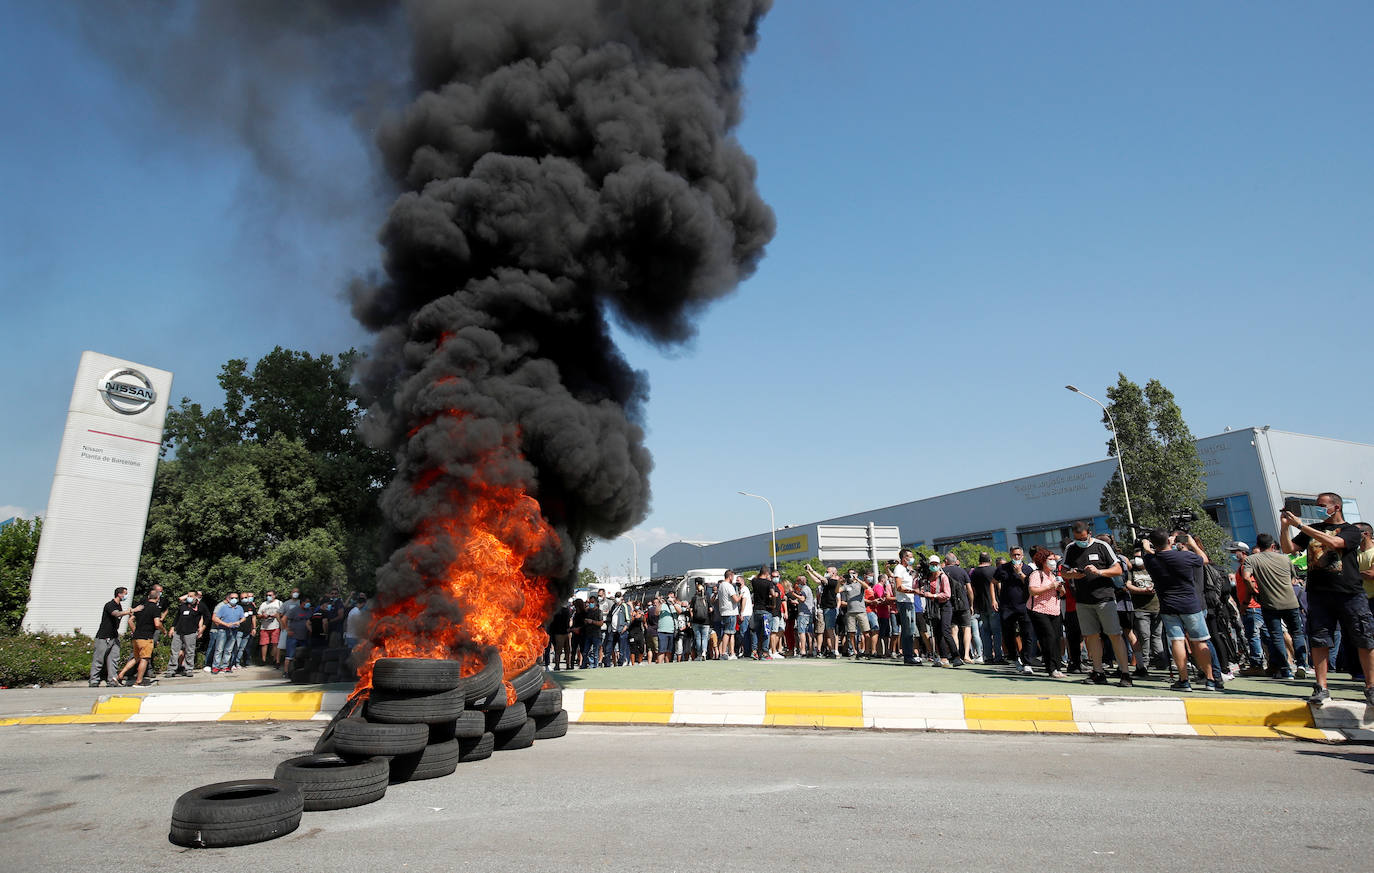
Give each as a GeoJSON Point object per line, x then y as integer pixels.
{"type": "Point", "coordinates": [1172, 562]}
{"type": "Point", "coordinates": [1334, 589]}
{"type": "Point", "coordinates": [1270, 575]}
{"type": "Point", "coordinates": [1092, 566]}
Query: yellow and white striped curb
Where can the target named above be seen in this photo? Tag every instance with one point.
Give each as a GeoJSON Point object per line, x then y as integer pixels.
{"type": "Point", "coordinates": [1145, 716]}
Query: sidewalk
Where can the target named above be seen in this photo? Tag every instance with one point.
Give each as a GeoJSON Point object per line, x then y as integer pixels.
{"type": "Point", "coordinates": [792, 693]}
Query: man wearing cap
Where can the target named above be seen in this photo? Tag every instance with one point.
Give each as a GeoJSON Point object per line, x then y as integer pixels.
{"type": "Point", "coordinates": [1269, 575]}
{"type": "Point", "coordinates": [1251, 616]}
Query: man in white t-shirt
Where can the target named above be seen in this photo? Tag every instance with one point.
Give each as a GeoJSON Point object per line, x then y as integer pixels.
{"type": "Point", "coordinates": [745, 640]}
{"type": "Point", "coordinates": [727, 606]}
{"type": "Point", "coordinates": [355, 623]}
{"type": "Point", "coordinates": [904, 590]}
{"type": "Point", "coordinates": [269, 628]}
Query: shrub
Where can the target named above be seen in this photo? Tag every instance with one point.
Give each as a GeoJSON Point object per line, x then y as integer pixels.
{"type": "Point", "coordinates": [42, 659]}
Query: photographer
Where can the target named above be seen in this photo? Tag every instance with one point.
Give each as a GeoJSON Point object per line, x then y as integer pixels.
{"type": "Point", "coordinates": [1334, 589]}
{"type": "Point", "coordinates": [1172, 572]}
{"type": "Point", "coordinates": [1148, 626]}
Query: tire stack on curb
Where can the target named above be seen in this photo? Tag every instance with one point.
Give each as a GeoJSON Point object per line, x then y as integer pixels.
{"type": "Point", "coordinates": [420, 720]}
{"type": "Point", "coordinates": [317, 666]}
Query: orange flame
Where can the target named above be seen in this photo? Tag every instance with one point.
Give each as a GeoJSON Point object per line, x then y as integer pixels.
{"type": "Point", "coordinates": [499, 607]}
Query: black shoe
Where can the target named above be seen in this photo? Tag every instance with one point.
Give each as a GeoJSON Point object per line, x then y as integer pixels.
{"type": "Point", "coordinates": [1095, 678]}
{"type": "Point", "coordinates": [146, 683]}
{"type": "Point", "coordinates": [95, 684]}
{"type": "Point", "coordinates": [1216, 684]}
{"type": "Point", "coordinates": [957, 662]}
{"type": "Point", "coordinates": [1181, 685]}
{"type": "Point", "coordinates": [911, 663]}
{"type": "Point", "coordinates": [1125, 680]}
{"type": "Point", "coordinates": [1141, 672]}
{"type": "Point", "coordinates": [127, 683]}
{"type": "Point", "coordinates": [1319, 695]}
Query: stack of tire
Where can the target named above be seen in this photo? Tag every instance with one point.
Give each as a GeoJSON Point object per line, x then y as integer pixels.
{"type": "Point", "coordinates": [421, 719]}
{"type": "Point", "coordinates": [316, 666]}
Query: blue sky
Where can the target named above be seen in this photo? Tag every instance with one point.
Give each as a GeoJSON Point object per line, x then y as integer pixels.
{"type": "Point", "coordinates": [977, 203]}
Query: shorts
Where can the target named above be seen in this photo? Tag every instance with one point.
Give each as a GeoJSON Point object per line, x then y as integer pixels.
{"type": "Point", "coordinates": [803, 623]}
{"type": "Point", "coordinates": [919, 618]}
{"type": "Point", "coordinates": [963, 618]}
{"type": "Point", "coordinates": [665, 641]}
{"type": "Point", "coordinates": [292, 644]}
{"type": "Point", "coordinates": [1325, 610]}
{"type": "Point", "coordinates": [727, 624]}
{"type": "Point", "coordinates": [856, 622]}
{"type": "Point", "coordinates": [1098, 618]}
{"type": "Point", "coordinates": [830, 614]}
{"type": "Point", "coordinates": [143, 649]}
{"type": "Point", "coordinates": [636, 646]}
{"type": "Point", "coordinates": [269, 637]}
{"type": "Point", "coordinates": [184, 643]}
{"type": "Point", "coordinates": [1193, 625]}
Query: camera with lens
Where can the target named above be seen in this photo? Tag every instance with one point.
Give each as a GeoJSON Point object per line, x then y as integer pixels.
{"type": "Point", "coordinates": [1183, 521]}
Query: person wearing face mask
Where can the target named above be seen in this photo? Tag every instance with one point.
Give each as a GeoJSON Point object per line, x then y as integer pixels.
{"type": "Point", "coordinates": [1149, 630]}
{"type": "Point", "coordinates": [1046, 595]}
{"type": "Point", "coordinates": [243, 652]}
{"type": "Point", "coordinates": [227, 618]}
{"type": "Point", "coordinates": [1090, 563]}
{"type": "Point", "coordinates": [297, 629]}
{"type": "Point", "coordinates": [269, 628]}
{"type": "Point", "coordinates": [186, 628]}
{"type": "Point", "coordinates": [1012, 596]}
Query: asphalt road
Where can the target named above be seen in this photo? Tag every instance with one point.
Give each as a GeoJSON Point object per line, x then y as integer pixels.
{"type": "Point", "coordinates": [98, 797]}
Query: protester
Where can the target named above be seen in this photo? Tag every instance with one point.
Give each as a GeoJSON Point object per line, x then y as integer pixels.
{"type": "Point", "coordinates": [828, 587]}
{"type": "Point", "coordinates": [961, 606]}
{"type": "Point", "coordinates": [989, 625]}
{"type": "Point", "coordinates": [727, 606]}
{"type": "Point", "coordinates": [1181, 609]}
{"type": "Point", "coordinates": [105, 658]}
{"type": "Point", "coordinates": [1091, 565]}
{"type": "Point", "coordinates": [856, 614]}
{"type": "Point", "coordinates": [186, 629]}
{"type": "Point", "coordinates": [269, 628]}
{"type": "Point", "coordinates": [355, 623]}
{"type": "Point", "coordinates": [804, 607]}
{"type": "Point", "coordinates": [147, 622]}
{"type": "Point", "coordinates": [247, 631]}
{"type": "Point", "coordinates": [937, 589]}
{"type": "Point", "coordinates": [593, 624]}
{"type": "Point", "coordinates": [1046, 593]}
{"type": "Point", "coordinates": [700, 610]}
{"type": "Point", "coordinates": [1148, 626]}
{"type": "Point", "coordinates": [761, 586]}
{"type": "Point", "coordinates": [619, 649]}
{"type": "Point", "coordinates": [227, 617]}
{"type": "Point", "coordinates": [1012, 595]}
{"type": "Point", "coordinates": [667, 627]}
{"type": "Point", "coordinates": [297, 617]}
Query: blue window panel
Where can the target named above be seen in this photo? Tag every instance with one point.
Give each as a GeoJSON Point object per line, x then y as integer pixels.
{"type": "Point", "coordinates": [1242, 518]}
{"type": "Point", "coordinates": [1100, 524]}
{"type": "Point", "coordinates": [1350, 510]}
{"type": "Point", "coordinates": [999, 540]}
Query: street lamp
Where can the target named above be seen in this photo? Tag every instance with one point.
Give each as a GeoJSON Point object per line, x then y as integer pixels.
{"type": "Point", "coordinates": [1125, 492]}
{"type": "Point", "coordinates": [635, 546]}
{"type": "Point", "coordinates": [772, 524]}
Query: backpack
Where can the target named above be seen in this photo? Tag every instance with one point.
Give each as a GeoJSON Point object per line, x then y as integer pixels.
{"type": "Point", "coordinates": [1215, 587]}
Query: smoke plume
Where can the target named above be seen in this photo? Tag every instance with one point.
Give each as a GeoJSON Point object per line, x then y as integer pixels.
{"type": "Point", "coordinates": [563, 160]}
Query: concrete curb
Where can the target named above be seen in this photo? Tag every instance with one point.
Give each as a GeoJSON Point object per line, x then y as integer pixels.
{"type": "Point", "coordinates": [1338, 721]}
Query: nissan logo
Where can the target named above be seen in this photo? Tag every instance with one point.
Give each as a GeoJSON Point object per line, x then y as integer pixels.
{"type": "Point", "coordinates": [127, 391]}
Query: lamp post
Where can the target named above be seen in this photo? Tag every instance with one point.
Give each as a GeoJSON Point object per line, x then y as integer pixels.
{"type": "Point", "coordinates": [635, 547]}
{"type": "Point", "coordinates": [772, 524]}
{"type": "Point", "coordinates": [1125, 492]}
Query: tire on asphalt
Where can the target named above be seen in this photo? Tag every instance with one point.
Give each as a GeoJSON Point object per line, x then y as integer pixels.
{"type": "Point", "coordinates": [416, 674]}
{"type": "Point", "coordinates": [413, 707]}
{"type": "Point", "coordinates": [484, 686]}
{"type": "Point", "coordinates": [520, 738]}
{"type": "Point", "coordinates": [236, 813]}
{"type": "Point", "coordinates": [549, 701]}
{"type": "Point", "coordinates": [475, 749]}
{"type": "Point", "coordinates": [551, 727]}
{"type": "Point", "coordinates": [432, 762]}
{"type": "Point", "coordinates": [330, 782]}
{"type": "Point", "coordinates": [352, 707]}
{"type": "Point", "coordinates": [508, 719]}
{"type": "Point", "coordinates": [528, 682]}
{"type": "Point", "coordinates": [355, 737]}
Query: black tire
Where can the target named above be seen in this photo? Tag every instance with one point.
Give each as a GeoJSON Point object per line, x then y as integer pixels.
{"type": "Point", "coordinates": [484, 685]}
{"type": "Point", "coordinates": [431, 763]}
{"type": "Point", "coordinates": [551, 727]}
{"type": "Point", "coordinates": [549, 701]}
{"type": "Point", "coordinates": [352, 707]}
{"type": "Point", "coordinates": [236, 813]}
{"type": "Point", "coordinates": [330, 782]}
{"type": "Point", "coordinates": [475, 750]}
{"type": "Point", "coordinates": [528, 682]}
{"type": "Point", "coordinates": [413, 707]}
{"type": "Point", "coordinates": [470, 725]}
{"type": "Point", "coordinates": [416, 674]}
{"type": "Point", "coordinates": [508, 719]}
{"type": "Point", "coordinates": [520, 738]}
{"type": "Point", "coordinates": [353, 736]}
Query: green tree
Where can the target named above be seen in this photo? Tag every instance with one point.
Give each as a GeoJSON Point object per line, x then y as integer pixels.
{"type": "Point", "coordinates": [1163, 471]}
{"type": "Point", "coordinates": [18, 548]}
{"type": "Point", "coordinates": [586, 578]}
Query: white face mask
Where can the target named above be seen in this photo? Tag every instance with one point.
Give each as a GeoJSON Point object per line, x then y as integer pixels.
{"type": "Point", "coordinates": [233, 600]}
{"type": "Point", "coordinates": [1050, 565]}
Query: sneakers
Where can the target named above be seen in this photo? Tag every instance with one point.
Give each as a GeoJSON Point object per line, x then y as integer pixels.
{"type": "Point", "coordinates": [147, 682]}
{"type": "Point", "coordinates": [780, 656]}
{"type": "Point", "coordinates": [1094, 678]}
{"type": "Point", "coordinates": [1215, 685]}
{"type": "Point", "coordinates": [214, 670]}
{"type": "Point", "coordinates": [1369, 696]}
{"type": "Point", "coordinates": [1319, 695]}
{"type": "Point", "coordinates": [957, 662]}
{"type": "Point", "coordinates": [914, 662]}
{"type": "Point", "coordinates": [1028, 669]}
{"type": "Point", "coordinates": [208, 670]}
{"type": "Point", "coordinates": [127, 683]}
{"type": "Point", "coordinates": [1181, 685]}
{"type": "Point", "coordinates": [1300, 672]}
{"type": "Point", "coordinates": [1228, 676]}
{"type": "Point", "coordinates": [95, 684]}
{"type": "Point", "coordinates": [1058, 674]}
{"type": "Point", "coordinates": [1141, 672]}
{"type": "Point", "coordinates": [1124, 679]}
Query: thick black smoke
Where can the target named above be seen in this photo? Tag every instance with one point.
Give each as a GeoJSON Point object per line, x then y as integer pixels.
{"type": "Point", "coordinates": [563, 160]}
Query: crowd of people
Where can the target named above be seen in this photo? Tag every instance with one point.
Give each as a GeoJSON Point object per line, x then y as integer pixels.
{"type": "Point", "coordinates": [1088, 608]}
{"type": "Point", "coordinates": [233, 633]}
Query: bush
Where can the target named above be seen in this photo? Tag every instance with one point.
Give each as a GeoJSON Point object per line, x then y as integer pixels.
{"type": "Point", "coordinates": [42, 659]}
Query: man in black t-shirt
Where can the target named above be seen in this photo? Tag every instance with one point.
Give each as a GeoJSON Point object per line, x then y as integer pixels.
{"type": "Point", "coordinates": [186, 629]}
{"type": "Point", "coordinates": [1335, 593]}
{"type": "Point", "coordinates": [1012, 594]}
{"type": "Point", "coordinates": [105, 658]}
{"type": "Point", "coordinates": [989, 622]}
{"type": "Point", "coordinates": [147, 622]}
{"type": "Point", "coordinates": [1092, 566]}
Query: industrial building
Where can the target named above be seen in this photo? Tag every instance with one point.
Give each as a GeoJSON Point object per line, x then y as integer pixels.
{"type": "Point", "coordinates": [1249, 473]}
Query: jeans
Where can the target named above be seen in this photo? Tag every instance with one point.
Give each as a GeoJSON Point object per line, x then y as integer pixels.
{"type": "Point", "coordinates": [906, 620]}
{"type": "Point", "coordinates": [990, 629]}
{"type": "Point", "coordinates": [608, 646]}
{"type": "Point", "coordinates": [1149, 631]}
{"type": "Point", "coordinates": [763, 622]}
{"type": "Point", "coordinates": [591, 648]}
{"type": "Point", "coordinates": [744, 640]}
{"type": "Point", "coordinates": [701, 636]}
{"type": "Point", "coordinates": [1252, 618]}
{"type": "Point", "coordinates": [1274, 621]}
{"type": "Point", "coordinates": [975, 638]}
{"type": "Point", "coordinates": [622, 646]}
{"type": "Point", "coordinates": [223, 647]}
{"type": "Point", "coordinates": [243, 649]}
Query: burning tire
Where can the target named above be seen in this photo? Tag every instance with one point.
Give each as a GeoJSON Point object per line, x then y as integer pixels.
{"type": "Point", "coordinates": [411, 707]}
{"type": "Point", "coordinates": [330, 782]}
{"type": "Point", "coordinates": [475, 750]}
{"type": "Point", "coordinates": [528, 683]}
{"type": "Point", "coordinates": [416, 674]}
{"type": "Point", "coordinates": [434, 761]}
{"type": "Point", "coordinates": [358, 738]}
{"type": "Point", "coordinates": [484, 687]}
{"type": "Point", "coordinates": [508, 719]}
{"type": "Point", "coordinates": [551, 727]}
{"type": "Point", "coordinates": [351, 708]}
{"type": "Point", "coordinates": [519, 738]}
{"type": "Point", "coordinates": [236, 813]}
{"type": "Point", "coordinates": [549, 701]}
